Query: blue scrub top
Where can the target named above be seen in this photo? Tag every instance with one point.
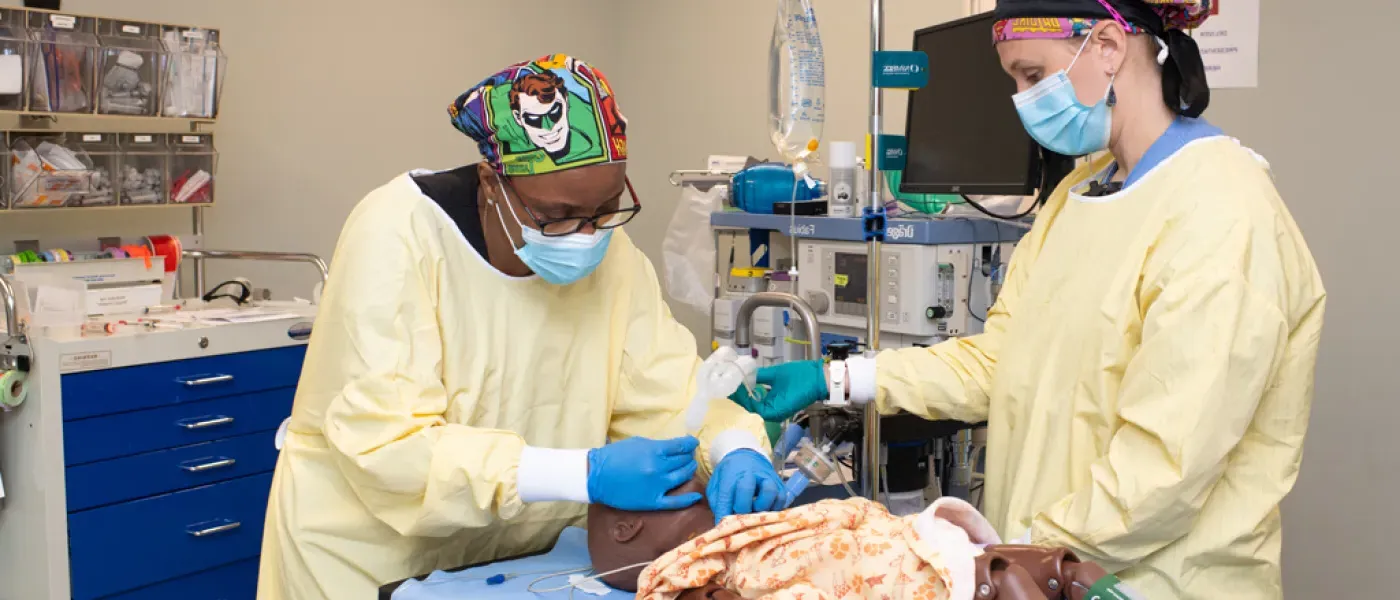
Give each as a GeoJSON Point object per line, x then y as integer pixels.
{"type": "Point", "coordinates": [1181, 132]}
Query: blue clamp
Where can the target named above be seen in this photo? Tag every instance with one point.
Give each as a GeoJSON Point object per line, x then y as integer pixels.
{"type": "Point", "coordinates": [874, 224]}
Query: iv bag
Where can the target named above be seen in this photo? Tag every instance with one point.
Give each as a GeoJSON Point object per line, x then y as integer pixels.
{"type": "Point", "coordinates": [797, 78]}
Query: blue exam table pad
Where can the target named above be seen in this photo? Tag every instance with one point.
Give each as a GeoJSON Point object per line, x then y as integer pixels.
{"type": "Point", "coordinates": [569, 553]}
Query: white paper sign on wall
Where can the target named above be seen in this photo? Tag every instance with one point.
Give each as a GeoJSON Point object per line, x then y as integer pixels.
{"type": "Point", "coordinates": [1229, 43]}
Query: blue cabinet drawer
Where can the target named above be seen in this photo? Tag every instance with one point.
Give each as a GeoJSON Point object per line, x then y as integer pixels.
{"type": "Point", "coordinates": [112, 481]}
{"type": "Point", "coordinates": [124, 547]}
{"type": "Point", "coordinates": [113, 391]}
{"type": "Point", "coordinates": [238, 581]}
{"type": "Point", "coordinates": [113, 436]}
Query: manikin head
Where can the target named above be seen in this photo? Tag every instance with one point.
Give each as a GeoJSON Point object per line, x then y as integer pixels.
{"type": "Point", "coordinates": [618, 538]}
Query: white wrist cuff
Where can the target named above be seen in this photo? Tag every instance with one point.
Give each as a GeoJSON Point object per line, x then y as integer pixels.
{"type": "Point", "coordinates": [861, 373]}
{"type": "Point", "coordinates": [730, 440]}
{"type": "Point", "coordinates": [550, 475]}
{"type": "Point", "coordinates": [836, 384]}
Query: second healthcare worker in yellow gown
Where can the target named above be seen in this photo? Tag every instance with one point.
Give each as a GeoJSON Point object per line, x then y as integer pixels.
{"type": "Point", "coordinates": [486, 332]}
{"type": "Point", "coordinates": [1147, 371]}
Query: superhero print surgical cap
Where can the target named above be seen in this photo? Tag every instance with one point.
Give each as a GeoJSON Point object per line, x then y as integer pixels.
{"type": "Point", "coordinates": [549, 114]}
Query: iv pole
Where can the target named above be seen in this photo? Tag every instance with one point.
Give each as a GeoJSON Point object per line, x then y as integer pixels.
{"type": "Point", "coordinates": [870, 454]}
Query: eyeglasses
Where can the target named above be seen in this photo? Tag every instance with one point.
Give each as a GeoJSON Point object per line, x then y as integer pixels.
{"type": "Point", "coordinates": [571, 225]}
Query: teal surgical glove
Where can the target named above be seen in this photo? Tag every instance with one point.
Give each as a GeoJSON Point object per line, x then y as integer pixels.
{"type": "Point", "coordinates": [636, 473]}
{"type": "Point", "coordinates": [792, 387]}
{"type": "Point", "coordinates": [745, 482]}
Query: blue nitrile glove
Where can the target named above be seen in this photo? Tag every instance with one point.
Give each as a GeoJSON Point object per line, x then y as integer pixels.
{"type": "Point", "coordinates": [745, 482]}
{"type": "Point", "coordinates": [636, 473]}
{"type": "Point", "coordinates": [793, 386]}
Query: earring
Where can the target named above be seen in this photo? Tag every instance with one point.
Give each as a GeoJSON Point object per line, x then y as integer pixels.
{"type": "Point", "coordinates": [1112, 96]}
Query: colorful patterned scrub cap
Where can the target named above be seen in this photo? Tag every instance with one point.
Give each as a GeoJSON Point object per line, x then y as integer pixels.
{"type": "Point", "coordinates": [1060, 19]}
{"type": "Point", "coordinates": [550, 114]}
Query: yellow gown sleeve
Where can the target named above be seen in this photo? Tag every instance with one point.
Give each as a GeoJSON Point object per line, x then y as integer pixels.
{"type": "Point", "coordinates": [659, 366]}
{"type": "Point", "coordinates": [953, 380]}
{"type": "Point", "coordinates": [413, 470]}
{"type": "Point", "coordinates": [1213, 335]}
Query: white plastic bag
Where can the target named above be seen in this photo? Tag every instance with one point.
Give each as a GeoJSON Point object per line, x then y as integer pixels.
{"type": "Point", "coordinates": [688, 252]}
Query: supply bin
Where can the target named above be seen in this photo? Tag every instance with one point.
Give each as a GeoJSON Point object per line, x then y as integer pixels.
{"type": "Point", "coordinates": [145, 169]}
{"type": "Point", "coordinates": [61, 63]}
{"type": "Point", "coordinates": [194, 73]}
{"type": "Point", "coordinates": [130, 60]}
{"type": "Point", "coordinates": [192, 163]}
{"type": "Point", "coordinates": [45, 171]}
{"type": "Point", "coordinates": [14, 54]}
{"type": "Point", "coordinates": [102, 154]}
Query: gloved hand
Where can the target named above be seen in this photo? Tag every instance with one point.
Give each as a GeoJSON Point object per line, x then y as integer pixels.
{"type": "Point", "coordinates": [745, 482]}
{"type": "Point", "coordinates": [636, 473]}
{"type": "Point", "coordinates": [793, 386]}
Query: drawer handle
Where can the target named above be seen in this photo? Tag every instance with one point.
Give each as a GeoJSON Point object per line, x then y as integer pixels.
{"type": "Point", "coordinates": [219, 463]}
{"type": "Point", "coordinates": [212, 379]}
{"type": "Point", "coordinates": [210, 422]}
{"type": "Point", "coordinates": [208, 531]}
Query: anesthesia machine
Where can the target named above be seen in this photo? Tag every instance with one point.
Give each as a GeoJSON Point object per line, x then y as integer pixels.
{"type": "Point", "coordinates": [790, 282]}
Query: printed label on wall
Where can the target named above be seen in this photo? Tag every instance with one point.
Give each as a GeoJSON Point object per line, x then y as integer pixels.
{"type": "Point", "coordinates": [1229, 43]}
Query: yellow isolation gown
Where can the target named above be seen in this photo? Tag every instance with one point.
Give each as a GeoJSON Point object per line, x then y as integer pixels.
{"type": "Point", "coordinates": [429, 373]}
{"type": "Point", "coordinates": [1146, 373]}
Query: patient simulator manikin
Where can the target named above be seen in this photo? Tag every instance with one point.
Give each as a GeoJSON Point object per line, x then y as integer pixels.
{"type": "Point", "coordinates": [832, 549]}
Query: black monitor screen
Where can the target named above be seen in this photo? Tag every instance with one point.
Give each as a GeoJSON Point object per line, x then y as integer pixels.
{"type": "Point", "coordinates": [964, 134]}
{"type": "Point", "coordinates": [851, 276]}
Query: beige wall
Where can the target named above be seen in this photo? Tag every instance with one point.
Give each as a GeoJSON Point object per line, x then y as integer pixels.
{"type": "Point", "coordinates": [1323, 115]}
{"type": "Point", "coordinates": [328, 98]}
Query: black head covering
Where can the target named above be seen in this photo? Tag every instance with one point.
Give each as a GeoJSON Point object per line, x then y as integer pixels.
{"type": "Point", "coordinates": [1184, 85]}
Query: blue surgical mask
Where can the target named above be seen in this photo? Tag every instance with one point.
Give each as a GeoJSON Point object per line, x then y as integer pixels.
{"type": "Point", "coordinates": [559, 260]}
{"type": "Point", "coordinates": [1053, 115]}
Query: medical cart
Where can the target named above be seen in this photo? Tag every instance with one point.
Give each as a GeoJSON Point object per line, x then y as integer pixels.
{"type": "Point", "coordinates": [151, 455]}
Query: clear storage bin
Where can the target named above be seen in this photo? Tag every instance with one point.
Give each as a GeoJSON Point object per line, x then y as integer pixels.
{"type": "Point", "coordinates": [192, 163]}
{"type": "Point", "coordinates": [130, 62]}
{"type": "Point", "coordinates": [14, 53]}
{"type": "Point", "coordinates": [102, 154]}
{"type": "Point", "coordinates": [145, 169]}
{"type": "Point", "coordinates": [46, 171]}
{"type": "Point", "coordinates": [62, 57]}
{"type": "Point", "coordinates": [194, 72]}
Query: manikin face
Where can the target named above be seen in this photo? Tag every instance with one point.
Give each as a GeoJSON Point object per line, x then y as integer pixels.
{"type": "Point", "coordinates": [618, 538]}
{"type": "Point", "coordinates": [546, 124]}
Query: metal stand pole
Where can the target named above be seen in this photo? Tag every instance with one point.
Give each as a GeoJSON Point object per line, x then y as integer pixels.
{"type": "Point", "coordinates": [199, 283]}
{"type": "Point", "coordinates": [870, 456]}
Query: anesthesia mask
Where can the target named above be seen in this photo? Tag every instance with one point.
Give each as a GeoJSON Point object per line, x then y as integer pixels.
{"type": "Point", "coordinates": [719, 377]}
{"type": "Point", "coordinates": [560, 260]}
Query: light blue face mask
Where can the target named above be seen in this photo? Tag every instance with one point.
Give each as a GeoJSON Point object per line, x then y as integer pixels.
{"type": "Point", "coordinates": [1053, 115]}
{"type": "Point", "coordinates": [559, 260]}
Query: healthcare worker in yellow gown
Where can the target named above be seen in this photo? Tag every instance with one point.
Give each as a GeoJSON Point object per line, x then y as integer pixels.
{"type": "Point", "coordinates": [1147, 370]}
{"type": "Point", "coordinates": [486, 332]}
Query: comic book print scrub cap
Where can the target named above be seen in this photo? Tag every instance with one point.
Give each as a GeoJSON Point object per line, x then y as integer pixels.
{"type": "Point", "coordinates": [1058, 19]}
{"type": "Point", "coordinates": [549, 114]}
